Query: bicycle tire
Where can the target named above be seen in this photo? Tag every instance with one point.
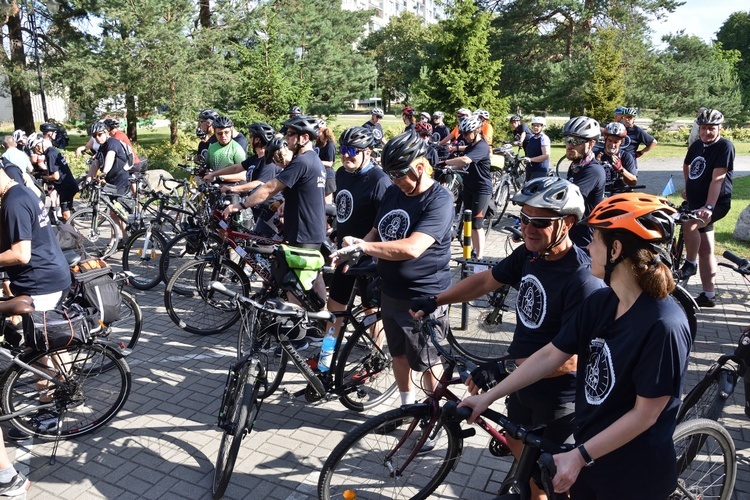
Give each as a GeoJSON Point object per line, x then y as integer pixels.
{"type": "Point", "coordinates": [143, 264]}
{"type": "Point", "coordinates": [274, 359]}
{"type": "Point", "coordinates": [501, 202]}
{"type": "Point", "coordinates": [241, 408]}
{"type": "Point", "coordinates": [561, 167]}
{"type": "Point", "coordinates": [90, 398]}
{"type": "Point", "coordinates": [127, 329]}
{"type": "Point", "coordinates": [100, 241]}
{"type": "Point", "coordinates": [194, 306]}
{"type": "Point", "coordinates": [367, 368]}
{"type": "Point", "coordinates": [357, 462]}
{"type": "Point", "coordinates": [685, 300]}
{"type": "Point", "coordinates": [180, 250]}
{"type": "Point", "coordinates": [677, 253]}
{"type": "Point", "coordinates": [701, 473]}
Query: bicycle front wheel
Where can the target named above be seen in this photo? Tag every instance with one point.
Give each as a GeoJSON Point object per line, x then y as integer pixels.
{"type": "Point", "coordinates": [141, 256]}
{"type": "Point", "coordinates": [194, 306]}
{"type": "Point", "coordinates": [100, 233]}
{"type": "Point", "coordinates": [370, 459]}
{"type": "Point", "coordinates": [365, 367]}
{"type": "Point", "coordinates": [90, 394]}
{"type": "Point", "coordinates": [258, 335]}
{"type": "Point", "coordinates": [706, 460]}
{"type": "Point", "coordinates": [502, 197]}
{"type": "Point", "coordinates": [183, 248]}
{"type": "Point", "coordinates": [561, 169]}
{"type": "Point", "coordinates": [238, 412]}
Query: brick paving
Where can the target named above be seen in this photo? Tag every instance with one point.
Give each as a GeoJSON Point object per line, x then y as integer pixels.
{"type": "Point", "coordinates": [164, 443]}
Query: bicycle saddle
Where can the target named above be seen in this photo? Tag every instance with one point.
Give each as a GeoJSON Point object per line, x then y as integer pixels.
{"type": "Point", "coordinates": [16, 306]}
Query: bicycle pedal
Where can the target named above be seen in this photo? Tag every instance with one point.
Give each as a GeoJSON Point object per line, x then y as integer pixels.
{"type": "Point", "coordinates": [498, 448]}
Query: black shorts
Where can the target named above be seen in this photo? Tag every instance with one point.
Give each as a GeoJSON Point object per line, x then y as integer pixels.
{"type": "Point", "coordinates": [66, 200]}
{"type": "Point", "coordinates": [719, 212]}
{"type": "Point", "coordinates": [402, 340]}
{"type": "Point", "coordinates": [478, 204]}
{"type": "Point", "coordinates": [340, 286]}
{"type": "Point", "coordinates": [542, 404]}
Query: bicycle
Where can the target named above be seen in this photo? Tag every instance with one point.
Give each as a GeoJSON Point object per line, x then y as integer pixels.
{"type": "Point", "coordinates": [62, 392]}
{"type": "Point", "coordinates": [248, 380]}
{"type": "Point", "coordinates": [506, 182]}
{"type": "Point", "coordinates": [677, 246]}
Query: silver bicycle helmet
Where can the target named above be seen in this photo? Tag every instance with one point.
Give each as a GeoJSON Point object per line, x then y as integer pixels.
{"type": "Point", "coordinates": [552, 193]}
{"type": "Point", "coordinates": [34, 141]}
{"type": "Point", "coordinates": [469, 124]}
{"type": "Point", "coordinates": [583, 127]}
{"type": "Point", "coordinates": [710, 117]}
{"type": "Point", "coordinates": [19, 136]}
{"type": "Point", "coordinates": [482, 113]}
{"type": "Point", "coordinates": [631, 111]}
{"type": "Point", "coordinates": [618, 129]}
{"type": "Point", "coordinates": [438, 114]}
{"type": "Point", "coordinates": [97, 127]}
{"type": "Point", "coordinates": [377, 112]}
{"type": "Point", "coordinates": [356, 137]}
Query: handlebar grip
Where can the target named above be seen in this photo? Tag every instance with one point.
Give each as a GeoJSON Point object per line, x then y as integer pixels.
{"type": "Point", "coordinates": [452, 410]}
{"type": "Point", "coordinates": [736, 259]}
{"type": "Point", "coordinates": [548, 469]}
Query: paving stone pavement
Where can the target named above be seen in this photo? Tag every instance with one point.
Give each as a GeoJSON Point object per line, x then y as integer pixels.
{"type": "Point", "coordinates": [164, 442]}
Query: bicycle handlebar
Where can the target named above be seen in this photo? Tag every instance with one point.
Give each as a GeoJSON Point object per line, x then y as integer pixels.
{"type": "Point", "coordinates": [742, 266]}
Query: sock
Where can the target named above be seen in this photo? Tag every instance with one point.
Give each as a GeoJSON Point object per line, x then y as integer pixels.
{"type": "Point", "coordinates": [710, 295]}
{"type": "Point", "coordinates": [7, 475]}
{"type": "Point", "coordinates": [695, 263]}
{"type": "Point", "coordinates": [407, 398]}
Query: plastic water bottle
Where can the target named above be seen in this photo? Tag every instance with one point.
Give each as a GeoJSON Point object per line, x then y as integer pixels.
{"type": "Point", "coordinates": [326, 350]}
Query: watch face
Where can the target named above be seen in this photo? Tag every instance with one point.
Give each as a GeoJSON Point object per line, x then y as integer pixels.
{"type": "Point", "coordinates": [510, 365]}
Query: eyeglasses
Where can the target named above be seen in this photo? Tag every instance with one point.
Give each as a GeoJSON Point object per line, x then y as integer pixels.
{"type": "Point", "coordinates": [539, 222]}
{"type": "Point", "coordinates": [399, 174]}
{"type": "Point", "coordinates": [575, 141]}
{"type": "Point", "coordinates": [349, 150]}
{"type": "Point", "coordinates": [290, 133]}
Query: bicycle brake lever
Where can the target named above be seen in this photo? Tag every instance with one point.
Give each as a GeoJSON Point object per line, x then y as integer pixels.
{"type": "Point", "coordinates": [548, 469]}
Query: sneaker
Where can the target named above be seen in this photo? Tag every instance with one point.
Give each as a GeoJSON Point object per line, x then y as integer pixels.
{"type": "Point", "coordinates": [688, 269]}
{"type": "Point", "coordinates": [44, 421]}
{"type": "Point", "coordinates": [299, 345]}
{"type": "Point", "coordinates": [704, 301]}
{"type": "Point", "coordinates": [15, 486]}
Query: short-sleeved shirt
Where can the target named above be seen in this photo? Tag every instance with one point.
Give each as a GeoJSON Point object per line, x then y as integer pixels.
{"type": "Point", "coordinates": [123, 137]}
{"type": "Point", "coordinates": [328, 153]}
{"type": "Point", "coordinates": [18, 158]}
{"type": "Point", "coordinates": [241, 140]}
{"type": "Point", "coordinates": [56, 162]}
{"type": "Point", "coordinates": [442, 132]}
{"type": "Point", "coordinates": [23, 218]}
{"type": "Point", "coordinates": [517, 135]}
{"type": "Point", "coordinates": [643, 353]}
{"type": "Point", "coordinates": [377, 131]}
{"type": "Point", "coordinates": [549, 294]}
{"type": "Point", "coordinates": [304, 196]}
{"type": "Point", "coordinates": [478, 179]}
{"type": "Point", "coordinates": [533, 148]}
{"type": "Point", "coordinates": [117, 175]}
{"type": "Point", "coordinates": [358, 196]}
{"type": "Point", "coordinates": [488, 132]}
{"type": "Point", "coordinates": [702, 160]}
{"type": "Point", "coordinates": [204, 145]}
{"type": "Point", "coordinates": [222, 156]}
{"type": "Point", "coordinates": [432, 156]}
{"type": "Point", "coordinates": [590, 179]}
{"type": "Point", "coordinates": [637, 137]}
{"type": "Point", "coordinates": [627, 162]}
{"type": "Point", "coordinates": [399, 216]}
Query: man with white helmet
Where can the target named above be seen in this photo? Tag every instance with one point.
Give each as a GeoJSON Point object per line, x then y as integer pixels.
{"type": "Point", "coordinates": [537, 149]}
{"type": "Point", "coordinates": [581, 134]}
{"type": "Point", "coordinates": [455, 135]}
{"type": "Point", "coordinates": [375, 127]}
{"type": "Point", "coordinates": [620, 166]}
{"type": "Point", "coordinates": [425, 117]}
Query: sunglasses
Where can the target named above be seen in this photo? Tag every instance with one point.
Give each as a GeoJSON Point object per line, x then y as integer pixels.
{"type": "Point", "coordinates": [290, 133]}
{"type": "Point", "coordinates": [539, 222]}
{"type": "Point", "coordinates": [575, 141]}
{"type": "Point", "coordinates": [349, 150]}
{"type": "Point", "coordinates": [399, 174]}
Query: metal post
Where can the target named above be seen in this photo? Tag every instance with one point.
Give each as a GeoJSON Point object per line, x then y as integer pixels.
{"type": "Point", "coordinates": [35, 38]}
{"type": "Point", "coordinates": [467, 255]}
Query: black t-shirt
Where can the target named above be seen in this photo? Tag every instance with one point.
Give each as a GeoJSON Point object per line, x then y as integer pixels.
{"type": "Point", "coordinates": [702, 160]}
{"type": "Point", "coordinates": [432, 156]}
{"type": "Point", "coordinates": [358, 196]}
{"type": "Point", "coordinates": [56, 162]}
{"type": "Point", "coordinates": [377, 131]}
{"type": "Point", "coordinates": [399, 216]}
{"type": "Point", "coordinates": [24, 218]}
{"type": "Point", "coordinates": [590, 179]}
{"type": "Point", "coordinates": [627, 161]}
{"type": "Point", "coordinates": [250, 164]}
{"type": "Point", "coordinates": [304, 209]}
{"type": "Point", "coordinates": [549, 294]}
{"type": "Point", "coordinates": [442, 132]}
{"type": "Point", "coordinates": [241, 140]}
{"type": "Point", "coordinates": [643, 353]}
{"type": "Point", "coordinates": [203, 147]}
{"type": "Point", "coordinates": [117, 175]}
{"type": "Point", "coordinates": [636, 136]}
{"type": "Point", "coordinates": [520, 130]}
{"type": "Point", "coordinates": [478, 179]}
{"type": "Point", "coordinates": [409, 127]}
{"type": "Point", "coordinates": [13, 171]}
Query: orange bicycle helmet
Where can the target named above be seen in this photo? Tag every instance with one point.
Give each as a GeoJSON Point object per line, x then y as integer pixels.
{"type": "Point", "coordinates": [645, 216]}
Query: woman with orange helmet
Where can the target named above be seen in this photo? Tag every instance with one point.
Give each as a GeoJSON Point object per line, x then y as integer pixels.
{"type": "Point", "coordinates": [633, 343]}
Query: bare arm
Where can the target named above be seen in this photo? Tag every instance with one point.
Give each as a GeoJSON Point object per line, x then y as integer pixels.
{"type": "Point", "coordinates": [461, 161]}
{"type": "Point", "coordinates": [647, 148]}
{"type": "Point", "coordinates": [264, 192]}
{"type": "Point", "coordinates": [109, 162]}
{"type": "Point", "coordinates": [231, 169]}
{"type": "Point", "coordinates": [18, 253]}
{"type": "Point", "coordinates": [407, 248]}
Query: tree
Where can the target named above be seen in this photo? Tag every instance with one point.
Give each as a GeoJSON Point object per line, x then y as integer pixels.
{"type": "Point", "coordinates": [734, 34]}
{"type": "Point", "coordinates": [14, 65]}
{"type": "Point", "coordinates": [606, 88]}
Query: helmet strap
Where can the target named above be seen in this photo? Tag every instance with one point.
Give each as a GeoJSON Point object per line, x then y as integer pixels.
{"type": "Point", "coordinates": [419, 182]}
{"type": "Point", "coordinates": [560, 238]}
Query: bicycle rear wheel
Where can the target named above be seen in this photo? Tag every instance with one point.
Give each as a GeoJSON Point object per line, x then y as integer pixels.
{"type": "Point", "coordinates": [90, 396]}
{"type": "Point", "coordinates": [365, 365]}
{"type": "Point", "coordinates": [141, 256]}
{"type": "Point", "coordinates": [239, 408]}
{"type": "Point", "coordinates": [183, 248]}
{"type": "Point", "coordinates": [194, 306]}
{"type": "Point", "coordinates": [367, 459]}
{"type": "Point", "coordinates": [127, 330]}
{"type": "Point", "coordinates": [100, 233]}
{"type": "Point", "coordinates": [561, 168]}
{"type": "Point", "coordinates": [708, 397]}
{"type": "Point", "coordinates": [706, 461]}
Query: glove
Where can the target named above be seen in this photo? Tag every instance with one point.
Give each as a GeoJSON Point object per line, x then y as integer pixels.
{"type": "Point", "coordinates": [352, 253]}
{"type": "Point", "coordinates": [427, 304]}
{"type": "Point", "coordinates": [488, 375]}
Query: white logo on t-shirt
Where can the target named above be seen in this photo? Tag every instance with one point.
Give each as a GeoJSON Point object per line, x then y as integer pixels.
{"type": "Point", "coordinates": [531, 302]}
{"type": "Point", "coordinates": [344, 205]}
{"type": "Point", "coordinates": [697, 167]}
{"type": "Point", "coordinates": [377, 134]}
{"type": "Point", "coordinates": [393, 225]}
{"type": "Point", "coordinates": [600, 374]}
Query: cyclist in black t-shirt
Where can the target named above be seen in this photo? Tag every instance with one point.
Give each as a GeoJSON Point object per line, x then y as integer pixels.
{"type": "Point", "coordinates": [374, 125]}
{"type": "Point", "coordinates": [521, 133]}
{"type": "Point", "coordinates": [206, 125]}
{"type": "Point", "coordinates": [620, 167]}
{"type": "Point", "coordinates": [636, 135]}
{"type": "Point", "coordinates": [58, 175]}
{"type": "Point", "coordinates": [424, 130]}
{"type": "Point", "coordinates": [409, 116]}
{"type": "Point", "coordinates": [325, 145]}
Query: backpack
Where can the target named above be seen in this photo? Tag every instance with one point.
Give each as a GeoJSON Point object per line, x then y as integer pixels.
{"type": "Point", "coordinates": [130, 155]}
{"type": "Point", "coordinates": [100, 290]}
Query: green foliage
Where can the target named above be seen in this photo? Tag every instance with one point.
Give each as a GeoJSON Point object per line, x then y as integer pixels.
{"type": "Point", "coordinates": [734, 35]}
{"type": "Point", "coordinates": [607, 85]}
{"type": "Point", "coordinates": [167, 156]}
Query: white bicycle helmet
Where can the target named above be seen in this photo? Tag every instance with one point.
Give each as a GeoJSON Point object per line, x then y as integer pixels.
{"type": "Point", "coordinates": [552, 193]}
{"type": "Point", "coordinates": [469, 124]}
{"type": "Point", "coordinates": [19, 136]}
{"type": "Point", "coordinates": [615, 128]}
{"type": "Point", "coordinates": [583, 127]}
{"type": "Point", "coordinates": [540, 120]}
{"type": "Point", "coordinates": [35, 140]}
{"type": "Point", "coordinates": [710, 117]}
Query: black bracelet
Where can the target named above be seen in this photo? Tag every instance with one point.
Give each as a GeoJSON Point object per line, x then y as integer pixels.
{"type": "Point", "coordinates": [242, 204]}
{"type": "Point", "coordinates": [586, 457]}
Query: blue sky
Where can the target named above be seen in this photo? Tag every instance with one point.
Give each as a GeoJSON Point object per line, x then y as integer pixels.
{"type": "Point", "coordinates": [701, 18]}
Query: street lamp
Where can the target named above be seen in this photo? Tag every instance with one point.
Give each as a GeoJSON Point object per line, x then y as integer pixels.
{"type": "Point", "coordinates": [52, 6]}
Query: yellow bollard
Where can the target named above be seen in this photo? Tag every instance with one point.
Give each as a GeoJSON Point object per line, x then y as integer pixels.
{"type": "Point", "coordinates": [467, 234]}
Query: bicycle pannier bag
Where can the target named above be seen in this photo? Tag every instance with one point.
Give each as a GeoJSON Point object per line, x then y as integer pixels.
{"type": "Point", "coordinates": [296, 268]}
{"type": "Point", "coordinates": [99, 288]}
{"type": "Point", "coordinates": [55, 328]}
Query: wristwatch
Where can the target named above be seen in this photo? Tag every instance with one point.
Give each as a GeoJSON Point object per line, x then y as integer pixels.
{"type": "Point", "coordinates": [710, 207]}
{"type": "Point", "coordinates": [242, 204]}
{"type": "Point", "coordinates": [510, 365]}
{"type": "Point", "coordinates": [586, 457]}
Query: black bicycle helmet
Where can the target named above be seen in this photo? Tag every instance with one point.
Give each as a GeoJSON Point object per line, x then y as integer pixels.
{"type": "Point", "coordinates": [515, 118]}
{"type": "Point", "coordinates": [710, 117]}
{"type": "Point", "coordinates": [48, 127]}
{"type": "Point", "coordinates": [209, 115]}
{"type": "Point", "coordinates": [356, 137]}
{"type": "Point", "coordinates": [275, 144]}
{"type": "Point", "coordinates": [223, 122]}
{"type": "Point", "coordinates": [583, 127]}
{"type": "Point", "coordinates": [303, 125]}
{"type": "Point", "coordinates": [399, 152]}
{"type": "Point", "coordinates": [97, 127]}
{"type": "Point", "coordinates": [111, 123]}
{"type": "Point", "coordinates": [263, 131]}
{"type": "Point", "coordinates": [295, 110]}
{"type": "Point", "coordinates": [552, 193]}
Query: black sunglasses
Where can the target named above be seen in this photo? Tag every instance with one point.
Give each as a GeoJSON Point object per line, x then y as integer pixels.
{"type": "Point", "coordinates": [399, 174]}
{"type": "Point", "coordinates": [539, 222]}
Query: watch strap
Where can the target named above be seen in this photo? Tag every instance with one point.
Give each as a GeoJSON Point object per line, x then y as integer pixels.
{"type": "Point", "coordinates": [585, 454]}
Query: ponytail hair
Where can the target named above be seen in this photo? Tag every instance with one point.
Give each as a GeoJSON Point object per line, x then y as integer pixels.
{"type": "Point", "coordinates": [653, 276]}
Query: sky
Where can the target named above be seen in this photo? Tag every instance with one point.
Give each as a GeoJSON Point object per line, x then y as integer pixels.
{"type": "Point", "coordinates": [701, 18]}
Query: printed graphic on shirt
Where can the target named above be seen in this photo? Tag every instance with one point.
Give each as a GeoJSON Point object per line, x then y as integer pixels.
{"type": "Point", "coordinates": [394, 225]}
{"type": "Point", "coordinates": [377, 134]}
{"type": "Point", "coordinates": [697, 167]}
{"type": "Point", "coordinates": [43, 215]}
{"type": "Point", "coordinates": [344, 205]}
{"type": "Point", "coordinates": [531, 302]}
{"type": "Point", "coordinates": [600, 374]}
